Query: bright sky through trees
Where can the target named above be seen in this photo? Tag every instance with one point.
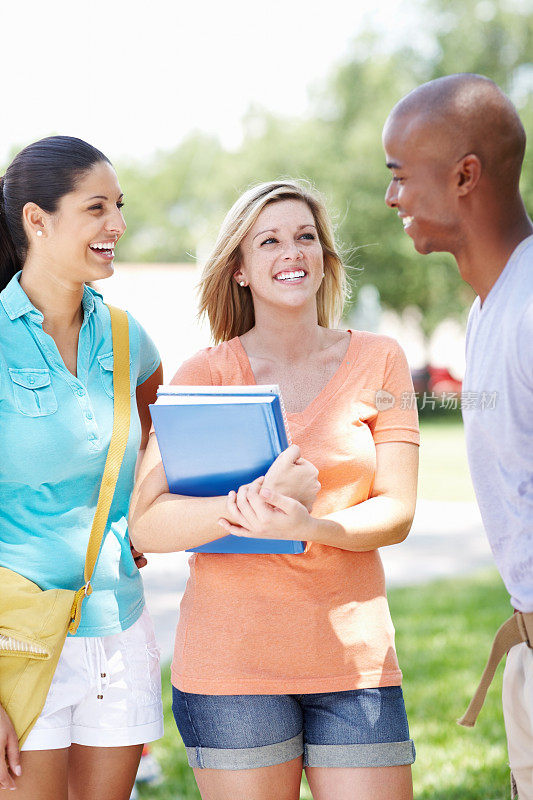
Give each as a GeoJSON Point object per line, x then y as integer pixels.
{"type": "Point", "coordinates": [289, 88]}
{"type": "Point", "coordinates": [132, 77]}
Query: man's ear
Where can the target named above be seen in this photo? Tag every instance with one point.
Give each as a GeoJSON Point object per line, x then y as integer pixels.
{"type": "Point", "coordinates": [468, 174]}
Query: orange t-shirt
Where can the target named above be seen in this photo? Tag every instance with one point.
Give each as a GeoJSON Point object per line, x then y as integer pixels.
{"type": "Point", "coordinates": [319, 621]}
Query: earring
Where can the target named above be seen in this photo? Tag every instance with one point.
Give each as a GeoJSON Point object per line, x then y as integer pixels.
{"type": "Point", "coordinates": [242, 283]}
{"type": "Point", "coordinates": [39, 233]}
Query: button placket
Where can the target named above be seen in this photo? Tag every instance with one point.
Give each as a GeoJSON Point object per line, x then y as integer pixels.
{"type": "Point", "coordinates": [89, 419]}
{"type": "Point", "coordinates": [84, 402]}
{"type": "Point", "coordinates": [84, 353]}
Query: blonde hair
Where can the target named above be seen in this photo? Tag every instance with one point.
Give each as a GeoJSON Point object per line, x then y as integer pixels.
{"type": "Point", "coordinates": [229, 306]}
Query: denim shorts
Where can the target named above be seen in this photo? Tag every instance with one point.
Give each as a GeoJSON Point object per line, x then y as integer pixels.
{"type": "Point", "coordinates": [359, 728]}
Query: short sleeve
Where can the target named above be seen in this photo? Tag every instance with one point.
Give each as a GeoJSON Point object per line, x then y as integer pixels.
{"type": "Point", "coordinates": [149, 358]}
{"type": "Point", "coordinates": [194, 372]}
{"type": "Point", "coordinates": [397, 418]}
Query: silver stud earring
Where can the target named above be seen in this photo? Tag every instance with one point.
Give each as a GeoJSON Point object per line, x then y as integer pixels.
{"type": "Point", "coordinates": [39, 233]}
{"type": "Point", "coordinates": [242, 283]}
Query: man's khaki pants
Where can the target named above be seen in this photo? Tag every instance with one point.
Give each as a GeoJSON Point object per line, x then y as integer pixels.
{"type": "Point", "coordinates": [518, 715]}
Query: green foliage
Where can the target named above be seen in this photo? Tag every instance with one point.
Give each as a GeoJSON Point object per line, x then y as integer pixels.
{"type": "Point", "coordinates": [170, 201]}
{"type": "Point", "coordinates": [176, 202]}
{"type": "Point", "coordinates": [443, 636]}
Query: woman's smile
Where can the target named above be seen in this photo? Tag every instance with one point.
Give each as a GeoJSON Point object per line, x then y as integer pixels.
{"type": "Point", "coordinates": [290, 277]}
{"type": "Point", "coordinates": [104, 250]}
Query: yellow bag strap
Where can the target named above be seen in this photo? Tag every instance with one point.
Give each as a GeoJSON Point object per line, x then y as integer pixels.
{"type": "Point", "coordinates": [115, 454]}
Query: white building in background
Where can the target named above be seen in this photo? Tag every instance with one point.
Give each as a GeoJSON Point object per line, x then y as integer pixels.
{"type": "Point", "coordinates": [163, 297]}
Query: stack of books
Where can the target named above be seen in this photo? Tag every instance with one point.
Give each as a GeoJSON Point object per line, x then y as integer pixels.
{"type": "Point", "coordinates": [216, 438]}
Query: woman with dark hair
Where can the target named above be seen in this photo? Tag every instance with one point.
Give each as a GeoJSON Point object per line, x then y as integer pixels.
{"type": "Point", "coordinates": [60, 220]}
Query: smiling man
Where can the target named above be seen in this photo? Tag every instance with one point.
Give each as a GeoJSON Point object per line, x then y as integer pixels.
{"type": "Point", "coordinates": [455, 148]}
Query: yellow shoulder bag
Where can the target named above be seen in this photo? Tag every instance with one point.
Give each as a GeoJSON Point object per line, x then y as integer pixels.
{"type": "Point", "coordinates": [34, 623]}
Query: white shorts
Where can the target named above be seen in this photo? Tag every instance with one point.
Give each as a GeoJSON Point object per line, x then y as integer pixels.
{"type": "Point", "coordinates": [106, 692]}
{"type": "Point", "coordinates": [518, 715]}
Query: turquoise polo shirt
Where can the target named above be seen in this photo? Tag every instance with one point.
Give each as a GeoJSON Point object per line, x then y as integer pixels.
{"type": "Point", "coordinates": [55, 431]}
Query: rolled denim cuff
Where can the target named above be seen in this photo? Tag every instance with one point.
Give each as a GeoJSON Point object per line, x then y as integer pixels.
{"type": "Point", "coordinates": [245, 758]}
{"type": "Point", "coordinates": [382, 754]}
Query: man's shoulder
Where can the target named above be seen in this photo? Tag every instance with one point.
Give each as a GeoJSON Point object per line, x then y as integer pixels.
{"type": "Point", "coordinates": [512, 328]}
{"type": "Point", "coordinates": [524, 262]}
{"type": "Point", "coordinates": [518, 309]}
{"type": "Point", "coordinates": [514, 298]}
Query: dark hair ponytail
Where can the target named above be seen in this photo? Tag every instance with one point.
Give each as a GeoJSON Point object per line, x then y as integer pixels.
{"type": "Point", "coordinates": [42, 173]}
{"type": "Point", "coordinates": [9, 263]}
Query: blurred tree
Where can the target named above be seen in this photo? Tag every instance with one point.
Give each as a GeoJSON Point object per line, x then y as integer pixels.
{"type": "Point", "coordinates": [170, 199]}
{"type": "Point", "coordinates": [484, 36]}
{"type": "Point", "coordinates": [176, 203]}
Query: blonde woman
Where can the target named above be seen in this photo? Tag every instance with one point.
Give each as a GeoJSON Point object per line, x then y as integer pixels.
{"type": "Point", "coordinates": [284, 662]}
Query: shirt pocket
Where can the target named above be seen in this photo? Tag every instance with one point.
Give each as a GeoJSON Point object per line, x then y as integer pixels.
{"type": "Point", "coordinates": [33, 392]}
{"type": "Point", "coordinates": [106, 374]}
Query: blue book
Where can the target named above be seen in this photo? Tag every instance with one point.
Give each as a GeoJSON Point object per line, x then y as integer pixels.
{"type": "Point", "coordinates": [215, 438]}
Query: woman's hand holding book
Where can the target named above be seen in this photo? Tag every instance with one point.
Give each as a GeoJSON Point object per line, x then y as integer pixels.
{"type": "Point", "coordinates": [266, 514]}
{"type": "Point", "coordinates": [294, 477]}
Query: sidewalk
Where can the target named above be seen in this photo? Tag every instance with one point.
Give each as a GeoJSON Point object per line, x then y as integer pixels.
{"type": "Point", "coordinates": [446, 539]}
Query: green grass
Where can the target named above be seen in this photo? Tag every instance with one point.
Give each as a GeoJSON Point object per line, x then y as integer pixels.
{"type": "Point", "coordinates": [444, 631]}
{"type": "Point", "coordinates": [443, 473]}
{"type": "Point", "coordinates": [443, 635]}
